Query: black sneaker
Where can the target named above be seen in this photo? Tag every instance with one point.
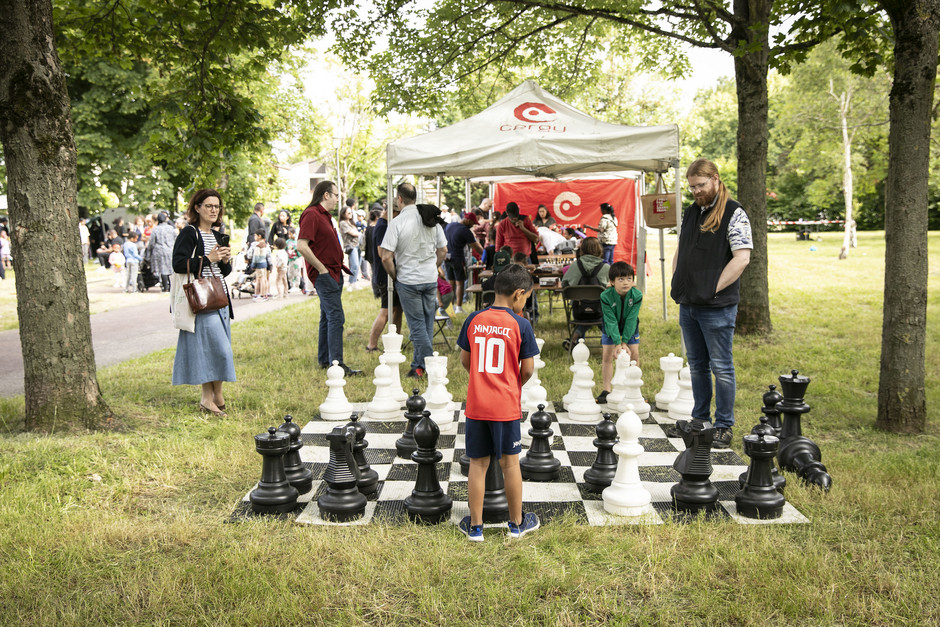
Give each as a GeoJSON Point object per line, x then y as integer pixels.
{"type": "Point", "coordinates": [602, 397]}
{"type": "Point", "coordinates": [350, 372]}
{"type": "Point", "coordinates": [671, 431]}
{"type": "Point", "coordinates": [722, 437]}
{"type": "Point", "coordinates": [415, 373]}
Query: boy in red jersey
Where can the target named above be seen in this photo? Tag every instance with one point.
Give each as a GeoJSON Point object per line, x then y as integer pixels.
{"type": "Point", "coordinates": [497, 349]}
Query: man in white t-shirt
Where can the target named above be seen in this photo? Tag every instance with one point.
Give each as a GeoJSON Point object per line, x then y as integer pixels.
{"type": "Point", "coordinates": [411, 253]}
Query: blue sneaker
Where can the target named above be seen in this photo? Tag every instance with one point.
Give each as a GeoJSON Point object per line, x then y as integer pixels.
{"type": "Point", "coordinates": [473, 532]}
{"type": "Point", "coordinates": [530, 522]}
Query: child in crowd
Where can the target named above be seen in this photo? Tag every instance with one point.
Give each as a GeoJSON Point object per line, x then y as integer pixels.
{"type": "Point", "coordinates": [620, 305]}
{"type": "Point", "coordinates": [260, 262]}
{"type": "Point", "coordinates": [280, 265]}
{"type": "Point", "coordinates": [497, 347]}
{"type": "Point", "coordinates": [116, 259]}
{"type": "Point", "coordinates": [445, 295]}
{"type": "Point", "coordinates": [5, 250]}
{"type": "Point", "coordinates": [132, 261]}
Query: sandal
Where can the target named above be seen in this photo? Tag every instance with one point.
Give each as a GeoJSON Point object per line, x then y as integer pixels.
{"type": "Point", "coordinates": [211, 411]}
{"type": "Point", "coordinates": [372, 350]}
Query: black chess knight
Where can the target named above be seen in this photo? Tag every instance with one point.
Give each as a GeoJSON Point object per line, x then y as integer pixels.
{"type": "Point", "coordinates": [343, 501]}
{"type": "Point", "coordinates": [695, 492]}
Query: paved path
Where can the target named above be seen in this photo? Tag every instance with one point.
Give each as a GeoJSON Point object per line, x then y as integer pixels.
{"type": "Point", "coordinates": [149, 326]}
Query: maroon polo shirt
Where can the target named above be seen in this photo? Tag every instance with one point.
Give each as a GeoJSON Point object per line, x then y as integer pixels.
{"type": "Point", "coordinates": [316, 226]}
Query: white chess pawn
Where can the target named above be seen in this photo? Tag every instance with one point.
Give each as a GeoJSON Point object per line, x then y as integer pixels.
{"type": "Point", "coordinates": [619, 380]}
{"type": "Point", "coordinates": [391, 342]}
{"type": "Point", "coordinates": [437, 398]}
{"type": "Point", "coordinates": [580, 354]}
{"type": "Point", "coordinates": [670, 365]}
{"type": "Point", "coordinates": [633, 393]}
{"type": "Point", "coordinates": [680, 408]}
{"type": "Point", "coordinates": [383, 406]}
{"type": "Point", "coordinates": [534, 381]}
{"type": "Point", "coordinates": [537, 396]}
{"type": "Point", "coordinates": [335, 406]}
{"type": "Point", "coordinates": [583, 407]}
{"type": "Point", "coordinates": [626, 495]}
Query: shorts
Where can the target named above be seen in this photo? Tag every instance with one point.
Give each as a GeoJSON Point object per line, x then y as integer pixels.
{"type": "Point", "coordinates": [454, 271]}
{"type": "Point", "coordinates": [382, 292]}
{"type": "Point", "coordinates": [606, 341]}
{"type": "Point", "coordinates": [490, 437]}
{"type": "Point", "coordinates": [260, 265]}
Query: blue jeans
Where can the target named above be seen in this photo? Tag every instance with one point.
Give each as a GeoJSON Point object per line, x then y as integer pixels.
{"type": "Point", "coordinates": [608, 256]}
{"type": "Point", "coordinates": [708, 333]}
{"type": "Point", "coordinates": [332, 319]}
{"type": "Point", "coordinates": [419, 303]}
{"type": "Point", "coordinates": [353, 265]}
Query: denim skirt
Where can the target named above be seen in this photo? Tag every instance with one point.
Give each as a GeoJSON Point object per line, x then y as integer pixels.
{"type": "Point", "coordinates": [205, 355]}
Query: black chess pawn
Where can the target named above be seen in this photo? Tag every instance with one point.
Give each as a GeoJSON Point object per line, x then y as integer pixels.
{"type": "Point", "coordinates": [299, 475]}
{"type": "Point", "coordinates": [539, 463]}
{"type": "Point", "coordinates": [343, 501]}
{"type": "Point", "coordinates": [405, 445]}
{"type": "Point", "coordinates": [764, 429]}
{"type": "Point", "coordinates": [797, 453]}
{"type": "Point", "coordinates": [695, 492]}
{"type": "Point", "coordinates": [771, 398]}
{"type": "Point", "coordinates": [274, 494]}
{"type": "Point", "coordinates": [495, 503]}
{"type": "Point", "coordinates": [601, 473]}
{"type": "Point", "coordinates": [368, 479]}
{"type": "Point", "coordinates": [759, 498]}
{"type": "Point", "coordinates": [428, 503]}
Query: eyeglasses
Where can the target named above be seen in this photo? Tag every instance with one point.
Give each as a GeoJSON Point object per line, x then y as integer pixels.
{"type": "Point", "coordinates": [695, 188]}
{"type": "Point", "coordinates": [205, 206]}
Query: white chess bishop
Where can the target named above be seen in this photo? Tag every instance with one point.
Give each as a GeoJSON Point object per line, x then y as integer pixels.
{"type": "Point", "coordinates": [438, 400]}
{"type": "Point", "coordinates": [392, 342]}
{"type": "Point", "coordinates": [626, 495]}
{"type": "Point", "coordinates": [335, 406]}
{"type": "Point", "coordinates": [670, 365]}
{"type": "Point", "coordinates": [383, 406]}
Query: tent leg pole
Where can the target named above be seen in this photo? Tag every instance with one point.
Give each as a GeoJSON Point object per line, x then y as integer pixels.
{"type": "Point", "coordinates": [662, 267]}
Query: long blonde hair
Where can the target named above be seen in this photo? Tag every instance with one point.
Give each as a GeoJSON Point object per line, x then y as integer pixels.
{"type": "Point", "coordinates": [704, 167]}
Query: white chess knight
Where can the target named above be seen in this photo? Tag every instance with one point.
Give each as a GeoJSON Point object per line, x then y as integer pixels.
{"type": "Point", "coordinates": [335, 406]}
{"type": "Point", "coordinates": [633, 393]}
{"type": "Point", "coordinates": [438, 400]}
{"type": "Point", "coordinates": [670, 365]}
{"type": "Point", "coordinates": [534, 384]}
{"type": "Point", "coordinates": [619, 380]}
{"type": "Point", "coordinates": [383, 406]}
{"type": "Point", "coordinates": [583, 407]}
{"type": "Point", "coordinates": [626, 495]}
{"type": "Point", "coordinates": [680, 408]}
{"type": "Point", "coordinates": [391, 342]}
{"type": "Point", "coordinates": [580, 354]}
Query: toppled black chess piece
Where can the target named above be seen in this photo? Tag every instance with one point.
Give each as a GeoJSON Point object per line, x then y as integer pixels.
{"type": "Point", "coordinates": [601, 473]}
{"type": "Point", "coordinates": [495, 503]}
{"type": "Point", "coordinates": [763, 428]}
{"type": "Point", "coordinates": [368, 479]}
{"type": "Point", "coordinates": [274, 494]}
{"type": "Point", "coordinates": [406, 445]}
{"type": "Point", "coordinates": [759, 498]}
{"type": "Point", "coordinates": [298, 475]}
{"type": "Point", "coordinates": [771, 398]}
{"type": "Point", "coordinates": [694, 492]}
{"type": "Point", "coordinates": [539, 463]}
{"type": "Point", "coordinates": [797, 453]}
{"type": "Point", "coordinates": [343, 501]}
{"type": "Point", "coordinates": [428, 503]}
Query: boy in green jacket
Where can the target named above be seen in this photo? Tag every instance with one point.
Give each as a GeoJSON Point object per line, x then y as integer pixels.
{"type": "Point", "coordinates": [620, 305]}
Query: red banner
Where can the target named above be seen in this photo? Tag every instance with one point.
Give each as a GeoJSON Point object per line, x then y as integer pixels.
{"type": "Point", "coordinates": [577, 203]}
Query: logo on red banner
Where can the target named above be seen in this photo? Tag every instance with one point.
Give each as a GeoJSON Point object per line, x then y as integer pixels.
{"type": "Point", "coordinates": [535, 116]}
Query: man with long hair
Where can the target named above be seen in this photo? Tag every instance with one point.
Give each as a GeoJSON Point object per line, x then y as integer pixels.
{"type": "Point", "coordinates": [714, 248]}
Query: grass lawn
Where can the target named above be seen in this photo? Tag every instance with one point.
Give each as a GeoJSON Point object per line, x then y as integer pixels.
{"type": "Point", "coordinates": [129, 527]}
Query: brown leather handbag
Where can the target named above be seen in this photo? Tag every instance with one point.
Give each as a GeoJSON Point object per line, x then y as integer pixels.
{"type": "Point", "coordinates": [204, 293]}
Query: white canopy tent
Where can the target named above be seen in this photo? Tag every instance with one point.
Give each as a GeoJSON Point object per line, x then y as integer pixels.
{"type": "Point", "coordinates": [530, 132]}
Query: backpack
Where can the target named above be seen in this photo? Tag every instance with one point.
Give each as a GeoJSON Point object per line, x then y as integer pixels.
{"type": "Point", "coordinates": [587, 309]}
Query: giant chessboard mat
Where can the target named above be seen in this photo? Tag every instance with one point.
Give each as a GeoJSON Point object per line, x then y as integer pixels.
{"type": "Point", "coordinates": [566, 497]}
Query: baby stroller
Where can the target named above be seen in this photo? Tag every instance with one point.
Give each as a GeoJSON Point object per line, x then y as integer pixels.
{"type": "Point", "coordinates": [242, 280]}
{"type": "Point", "coordinates": [145, 277]}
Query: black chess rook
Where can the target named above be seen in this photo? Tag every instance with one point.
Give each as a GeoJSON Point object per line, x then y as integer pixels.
{"type": "Point", "coordinates": [427, 503]}
{"type": "Point", "coordinates": [274, 494]}
{"type": "Point", "coordinates": [343, 501]}
{"type": "Point", "coordinates": [763, 428]}
{"type": "Point", "coordinates": [759, 498]}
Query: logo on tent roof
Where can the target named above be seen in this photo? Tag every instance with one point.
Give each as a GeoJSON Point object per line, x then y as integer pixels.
{"type": "Point", "coordinates": [536, 117]}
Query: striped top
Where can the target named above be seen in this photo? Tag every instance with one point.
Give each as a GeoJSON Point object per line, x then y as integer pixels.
{"type": "Point", "coordinates": [209, 270]}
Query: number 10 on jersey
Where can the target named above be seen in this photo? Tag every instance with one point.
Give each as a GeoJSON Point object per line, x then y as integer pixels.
{"type": "Point", "coordinates": [491, 354]}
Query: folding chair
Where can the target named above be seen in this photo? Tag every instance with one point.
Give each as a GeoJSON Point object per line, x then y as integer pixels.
{"type": "Point", "coordinates": [582, 309]}
{"type": "Point", "coordinates": [439, 331]}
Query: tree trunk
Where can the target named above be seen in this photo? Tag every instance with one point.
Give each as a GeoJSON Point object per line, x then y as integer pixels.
{"type": "Point", "coordinates": [750, 71]}
{"type": "Point", "coordinates": [901, 397]}
{"type": "Point", "coordinates": [52, 300]}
